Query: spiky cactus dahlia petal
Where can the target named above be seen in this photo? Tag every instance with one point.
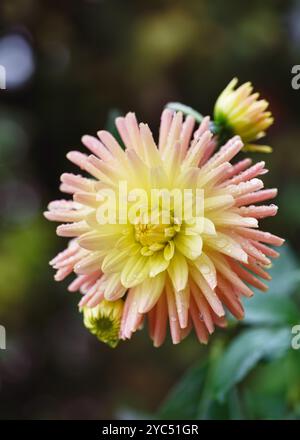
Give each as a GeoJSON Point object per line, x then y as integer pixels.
{"type": "Point", "coordinates": [177, 272]}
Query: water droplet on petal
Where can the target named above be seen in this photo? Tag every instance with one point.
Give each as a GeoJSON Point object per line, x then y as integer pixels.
{"type": "Point", "coordinates": [222, 243]}
{"type": "Point", "coordinates": [205, 269]}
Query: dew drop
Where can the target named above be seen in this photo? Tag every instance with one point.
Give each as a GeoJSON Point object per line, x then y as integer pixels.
{"type": "Point", "coordinates": [205, 269]}
{"type": "Point", "coordinates": [222, 243]}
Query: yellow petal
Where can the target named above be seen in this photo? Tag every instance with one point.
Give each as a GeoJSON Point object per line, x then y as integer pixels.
{"type": "Point", "coordinates": [96, 241]}
{"type": "Point", "coordinates": [190, 246]}
{"type": "Point", "coordinates": [149, 292]}
{"type": "Point", "coordinates": [209, 293]}
{"type": "Point", "coordinates": [114, 260]}
{"type": "Point", "coordinates": [182, 299]}
{"type": "Point", "coordinates": [178, 271]}
{"type": "Point", "coordinates": [256, 148]}
{"type": "Point", "coordinates": [157, 264]}
{"type": "Point", "coordinates": [207, 269]}
{"type": "Point", "coordinates": [89, 264]}
{"type": "Point", "coordinates": [169, 250]}
{"type": "Point", "coordinates": [112, 287]}
{"type": "Point", "coordinates": [226, 245]}
{"type": "Point", "coordinates": [136, 269]}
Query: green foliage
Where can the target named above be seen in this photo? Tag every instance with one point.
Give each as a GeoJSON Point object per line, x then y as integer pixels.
{"type": "Point", "coordinates": [285, 273]}
{"type": "Point", "coordinates": [269, 309]}
{"type": "Point", "coordinates": [243, 353]}
{"type": "Point", "coordinates": [255, 374]}
{"type": "Point", "coordinates": [24, 253]}
{"type": "Point", "coordinates": [185, 394]}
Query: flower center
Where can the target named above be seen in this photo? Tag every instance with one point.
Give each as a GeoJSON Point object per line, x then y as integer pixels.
{"type": "Point", "coordinates": [155, 236]}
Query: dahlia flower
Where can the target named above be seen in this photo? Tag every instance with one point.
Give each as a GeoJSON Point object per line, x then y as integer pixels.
{"type": "Point", "coordinates": [183, 271]}
{"type": "Point", "coordinates": [238, 111]}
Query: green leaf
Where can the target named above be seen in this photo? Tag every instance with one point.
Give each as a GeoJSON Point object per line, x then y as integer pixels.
{"type": "Point", "coordinates": [269, 309]}
{"type": "Point", "coordinates": [229, 409]}
{"type": "Point", "coordinates": [182, 401]}
{"type": "Point", "coordinates": [285, 273]}
{"type": "Point", "coordinates": [244, 353]}
{"type": "Point", "coordinates": [186, 110]}
{"type": "Point", "coordinates": [275, 307]}
{"type": "Point", "coordinates": [263, 406]}
{"type": "Point", "coordinates": [235, 408]}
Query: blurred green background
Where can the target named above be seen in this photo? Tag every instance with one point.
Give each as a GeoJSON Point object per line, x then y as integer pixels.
{"type": "Point", "coordinates": [69, 65]}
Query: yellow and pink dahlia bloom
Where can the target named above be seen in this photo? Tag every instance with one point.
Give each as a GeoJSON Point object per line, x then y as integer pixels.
{"type": "Point", "coordinates": [181, 274]}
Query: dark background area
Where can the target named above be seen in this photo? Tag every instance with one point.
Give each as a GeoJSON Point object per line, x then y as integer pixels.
{"type": "Point", "coordinates": [69, 65]}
